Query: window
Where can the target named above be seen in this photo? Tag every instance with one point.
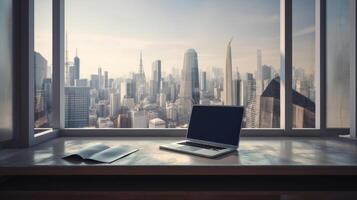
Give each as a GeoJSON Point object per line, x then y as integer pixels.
{"type": "Point", "coordinates": [6, 80]}
{"type": "Point", "coordinates": [339, 42]}
{"type": "Point", "coordinates": [143, 64]}
{"type": "Point", "coordinates": [43, 63]}
{"type": "Point", "coordinates": [303, 83]}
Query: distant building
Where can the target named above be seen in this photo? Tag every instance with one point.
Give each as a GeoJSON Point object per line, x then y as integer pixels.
{"type": "Point", "coordinates": [157, 123]}
{"type": "Point", "coordinates": [81, 83]}
{"type": "Point", "coordinates": [228, 84]}
{"type": "Point", "coordinates": [94, 81]}
{"type": "Point", "coordinates": [124, 121]}
{"type": "Point", "coordinates": [114, 103]}
{"type": "Point", "coordinates": [105, 123]}
{"type": "Point", "coordinates": [138, 119]}
{"type": "Point", "coordinates": [303, 108]}
{"type": "Point", "coordinates": [76, 107]}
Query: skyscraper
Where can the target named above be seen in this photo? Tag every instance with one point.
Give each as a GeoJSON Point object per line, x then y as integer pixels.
{"type": "Point", "coordinates": [189, 81]}
{"type": "Point", "coordinates": [228, 89]}
{"type": "Point", "coordinates": [259, 78]}
{"type": "Point", "coordinates": [106, 80]}
{"type": "Point", "coordinates": [74, 71]}
{"type": "Point", "coordinates": [156, 77]}
{"type": "Point", "coordinates": [76, 107]}
{"type": "Point", "coordinates": [203, 81]}
{"type": "Point", "coordinates": [100, 78]}
{"type": "Point", "coordinates": [40, 70]}
{"type": "Point", "coordinates": [189, 88]}
{"type": "Point", "coordinates": [114, 101]}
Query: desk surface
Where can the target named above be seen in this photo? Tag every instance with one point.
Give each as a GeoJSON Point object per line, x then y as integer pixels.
{"type": "Point", "coordinates": [256, 156]}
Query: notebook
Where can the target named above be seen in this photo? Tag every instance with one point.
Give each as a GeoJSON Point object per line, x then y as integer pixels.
{"type": "Point", "coordinates": [103, 153]}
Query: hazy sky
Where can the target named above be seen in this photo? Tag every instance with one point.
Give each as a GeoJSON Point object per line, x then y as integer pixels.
{"type": "Point", "coordinates": [111, 33]}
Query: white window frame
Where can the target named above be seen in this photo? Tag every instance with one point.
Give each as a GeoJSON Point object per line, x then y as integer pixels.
{"type": "Point", "coordinates": [285, 89]}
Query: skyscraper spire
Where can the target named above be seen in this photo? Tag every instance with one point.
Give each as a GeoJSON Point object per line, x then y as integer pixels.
{"type": "Point", "coordinates": [141, 71]}
{"type": "Point", "coordinates": [228, 89]}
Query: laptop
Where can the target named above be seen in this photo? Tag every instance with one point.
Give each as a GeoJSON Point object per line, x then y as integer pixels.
{"type": "Point", "coordinates": [212, 131]}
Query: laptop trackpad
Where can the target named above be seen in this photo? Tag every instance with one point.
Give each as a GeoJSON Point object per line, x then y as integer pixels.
{"type": "Point", "coordinates": [188, 148]}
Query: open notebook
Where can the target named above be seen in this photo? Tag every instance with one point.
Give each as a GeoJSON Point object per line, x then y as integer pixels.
{"type": "Point", "coordinates": [103, 153]}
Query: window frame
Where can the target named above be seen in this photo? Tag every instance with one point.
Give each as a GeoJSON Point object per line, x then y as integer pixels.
{"type": "Point", "coordinates": [285, 89]}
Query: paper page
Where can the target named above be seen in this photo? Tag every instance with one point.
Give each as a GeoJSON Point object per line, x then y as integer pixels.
{"type": "Point", "coordinates": [91, 150]}
{"type": "Point", "coordinates": [113, 153]}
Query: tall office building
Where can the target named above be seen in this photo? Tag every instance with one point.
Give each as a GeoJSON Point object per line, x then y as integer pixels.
{"type": "Point", "coordinates": [228, 89]}
{"type": "Point", "coordinates": [138, 119]}
{"type": "Point", "coordinates": [156, 77]}
{"type": "Point", "coordinates": [259, 78]}
{"type": "Point", "coordinates": [94, 81]}
{"type": "Point", "coordinates": [303, 108]}
{"type": "Point", "coordinates": [106, 79]}
{"type": "Point", "coordinates": [189, 89]}
{"type": "Point", "coordinates": [203, 82]}
{"type": "Point", "coordinates": [40, 70]}
{"type": "Point", "coordinates": [76, 107]}
{"type": "Point", "coordinates": [74, 71]}
{"type": "Point", "coordinates": [123, 121]}
{"type": "Point", "coordinates": [127, 89]}
{"type": "Point", "coordinates": [100, 78]}
{"type": "Point", "coordinates": [140, 81]}
{"type": "Point", "coordinates": [248, 99]}
{"type": "Point", "coordinates": [114, 102]}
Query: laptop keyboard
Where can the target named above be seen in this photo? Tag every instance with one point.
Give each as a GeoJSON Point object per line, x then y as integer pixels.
{"type": "Point", "coordinates": [203, 146]}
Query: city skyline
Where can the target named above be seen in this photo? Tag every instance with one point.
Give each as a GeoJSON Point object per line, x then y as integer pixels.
{"type": "Point", "coordinates": [118, 42]}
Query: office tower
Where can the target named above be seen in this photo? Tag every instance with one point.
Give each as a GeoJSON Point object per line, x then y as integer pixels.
{"type": "Point", "coordinates": [267, 74]}
{"type": "Point", "coordinates": [259, 78]}
{"type": "Point", "coordinates": [123, 121]}
{"type": "Point", "coordinates": [237, 92]}
{"type": "Point", "coordinates": [129, 103]}
{"type": "Point", "coordinates": [171, 112]}
{"type": "Point", "coordinates": [74, 71]}
{"type": "Point", "coordinates": [66, 72]}
{"type": "Point", "coordinates": [138, 119]}
{"type": "Point", "coordinates": [156, 77]}
{"type": "Point", "coordinates": [102, 109]}
{"type": "Point", "coordinates": [157, 123]}
{"type": "Point", "coordinates": [94, 81]}
{"type": "Point", "coordinates": [40, 70]}
{"type": "Point", "coordinates": [76, 107]}
{"type": "Point", "coordinates": [188, 91]}
{"type": "Point", "coordinates": [47, 87]}
{"type": "Point", "coordinates": [105, 122]}
{"type": "Point", "coordinates": [127, 89]}
{"type": "Point", "coordinates": [140, 80]}
{"type": "Point", "coordinates": [228, 89]}
{"type": "Point", "coordinates": [100, 78]}
{"type": "Point", "coordinates": [162, 99]}
{"type": "Point", "coordinates": [111, 83]}
{"type": "Point", "coordinates": [203, 81]}
{"type": "Point", "coordinates": [106, 81]}
{"type": "Point", "coordinates": [303, 108]}
{"type": "Point", "coordinates": [81, 82]}
{"type": "Point", "coordinates": [114, 102]}
{"type": "Point", "coordinates": [249, 100]}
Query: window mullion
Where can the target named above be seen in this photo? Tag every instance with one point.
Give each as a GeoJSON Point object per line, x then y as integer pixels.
{"type": "Point", "coordinates": [286, 65]}
{"type": "Point", "coordinates": [58, 64]}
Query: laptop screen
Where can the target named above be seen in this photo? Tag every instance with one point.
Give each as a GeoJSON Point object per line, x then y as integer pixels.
{"type": "Point", "coordinates": [220, 124]}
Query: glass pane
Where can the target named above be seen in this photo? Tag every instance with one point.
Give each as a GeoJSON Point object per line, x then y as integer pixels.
{"type": "Point", "coordinates": [339, 40]}
{"type": "Point", "coordinates": [43, 63]}
{"type": "Point", "coordinates": [303, 64]}
{"type": "Point", "coordinates": [144, 63]}
{"type": "Point", "coordinates": [6, 68]}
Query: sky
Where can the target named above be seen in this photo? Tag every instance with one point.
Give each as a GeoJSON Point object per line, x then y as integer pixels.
{"type": "Point", "coordinates": [111, 33]}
